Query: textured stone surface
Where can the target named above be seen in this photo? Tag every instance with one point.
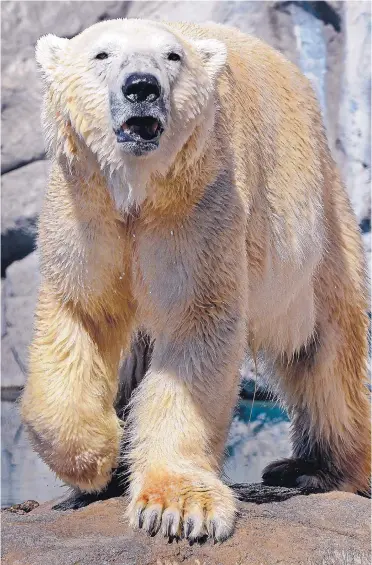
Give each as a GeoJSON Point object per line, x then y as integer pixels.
{"type": "Point", "coordinates": [367, 246]}
{"type": "Point", "coordinates": [301, 530]}
{"type": "Point", "coordinates": [355, 109]}
{"type": "Point", "coordinates": [22, 192]}
{"type": "Point", "coordinates": [20, 296]}
{"type": "Point", "coordinates": [23, 473]}
{"type": "Point", "coordinates": [22, 140]}
{"type": "Point", "coordinates": [3, 323]}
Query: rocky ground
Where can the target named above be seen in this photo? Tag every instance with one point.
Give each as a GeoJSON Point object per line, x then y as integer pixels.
{"type": "Point", "coordinates": [320, 529]}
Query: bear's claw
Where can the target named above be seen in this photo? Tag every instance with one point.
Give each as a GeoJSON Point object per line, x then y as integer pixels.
{"type": "Point", "coordinates": [180, 508]}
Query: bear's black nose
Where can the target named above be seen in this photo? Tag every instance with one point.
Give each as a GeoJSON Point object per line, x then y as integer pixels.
{"type": "Point", "coordinates": [140, 87]}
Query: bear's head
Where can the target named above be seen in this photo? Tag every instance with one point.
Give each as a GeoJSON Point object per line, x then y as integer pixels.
{"type": "Point", "coordinates": [127, 94]}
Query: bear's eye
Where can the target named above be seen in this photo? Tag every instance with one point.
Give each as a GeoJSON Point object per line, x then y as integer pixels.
{"type": "Point", "coordinates": [174, 57]}
{"type": "Point", "coordinates": [102, 55]}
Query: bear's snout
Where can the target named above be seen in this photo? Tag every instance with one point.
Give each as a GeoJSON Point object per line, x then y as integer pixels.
{"type": "Point", "coordinates": [139, 111]}
{"type": "Point", "coordinates": [141, 87]}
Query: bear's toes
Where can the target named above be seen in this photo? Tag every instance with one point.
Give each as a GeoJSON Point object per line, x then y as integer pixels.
{"type": "Point", "coordinates": [220, 522]}
{"type": "Point", "coordinates": [171, 522]}
{"type": "Point", "coordinates": [183, 507]}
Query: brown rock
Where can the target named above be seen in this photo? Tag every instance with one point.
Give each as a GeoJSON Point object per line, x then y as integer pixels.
{"type": "Point", "coordinates": [23, 508]}
{"type": "Point", "coordinates": [317, 529]}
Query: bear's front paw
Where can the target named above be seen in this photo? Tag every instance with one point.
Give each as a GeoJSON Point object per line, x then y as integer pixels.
{"type": "Point", "coordinates": [184, 506]}
{"type": "Point", "coordinates": [89, 471]}
{"type": "Point", "coordinates": [84, 458]}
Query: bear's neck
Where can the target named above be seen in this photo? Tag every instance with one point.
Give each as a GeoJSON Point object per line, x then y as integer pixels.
{"type": "Point", "coordinates": [195, 168]}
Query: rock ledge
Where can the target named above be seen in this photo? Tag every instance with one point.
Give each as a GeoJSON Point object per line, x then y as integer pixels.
{"type": "Point", "coordinates": [329, 529]}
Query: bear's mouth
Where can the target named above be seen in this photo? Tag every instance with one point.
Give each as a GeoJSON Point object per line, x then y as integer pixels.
{"type": "Point", "coordinates": [144, 129]}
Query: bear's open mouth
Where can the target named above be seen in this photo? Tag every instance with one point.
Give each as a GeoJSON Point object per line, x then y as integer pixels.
{"type": "Point", "coordinates": [144, 128]}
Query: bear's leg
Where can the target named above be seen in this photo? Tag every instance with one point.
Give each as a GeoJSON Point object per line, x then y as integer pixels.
{"type": "Point", "coordinates": [178, 422]}
{"type": "Point", "coordinates": [131, 373]}
{"type": "Point", "coordinates": [325, 390]}
{"type": "Point", "coordinates": [69, 396]}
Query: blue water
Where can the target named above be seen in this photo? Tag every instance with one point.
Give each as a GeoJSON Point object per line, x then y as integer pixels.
{"type": "Point", "coordinates": [259, 434]}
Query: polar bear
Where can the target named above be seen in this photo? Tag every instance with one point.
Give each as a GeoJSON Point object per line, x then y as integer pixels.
{"type": "Point", "coordinates": [192, 195]}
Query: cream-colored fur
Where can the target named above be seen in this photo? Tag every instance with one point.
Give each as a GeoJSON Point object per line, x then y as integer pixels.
{"type": "Point", "coordinates": [236, 232]}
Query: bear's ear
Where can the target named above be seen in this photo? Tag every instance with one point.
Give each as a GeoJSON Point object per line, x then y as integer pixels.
{"type": "Point", "coordinates": [214, 54]}
{"type": "Point", "coordinates": [48, 51]}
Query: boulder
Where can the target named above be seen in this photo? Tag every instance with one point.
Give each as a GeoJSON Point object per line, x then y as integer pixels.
{"type": "Point", "coordinates": [355, 109]}
{"type": "Point", "coordinates": [22, 193]}
{"type": "Point", "coordinates": [21, 93]}
{"type": "Point", "coordinates": [318, 529]}
{"type": "Point", "coordinates": [19, 299]}
{"type": "Point", "coordinates": [3, 322]}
